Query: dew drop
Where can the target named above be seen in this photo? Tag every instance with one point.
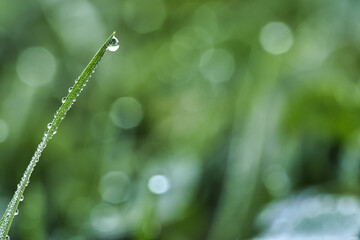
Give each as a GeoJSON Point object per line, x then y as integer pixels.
{"type": "Point", "coordinates": [7, 237]}
{"type": "Point", "coordinates": [45, 134]}
{"type": "Point", "coordinates": [49, 125]}
{"type": "Point", "coordinates": [70, 89]}
{"type": "Point", "coordinates": [63, 99]}
{"type": "Point", "coordinates": [16, 212]}
{"type": "Point", "coordinates": [114, 45]}
{"type": "Point", "coordinates": [22, 198]}
{"type": "Point", "coordinates": [54, 132]}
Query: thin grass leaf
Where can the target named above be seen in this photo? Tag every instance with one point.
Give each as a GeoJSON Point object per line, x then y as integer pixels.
{"type": "Point", "coordinates": [5, 223]}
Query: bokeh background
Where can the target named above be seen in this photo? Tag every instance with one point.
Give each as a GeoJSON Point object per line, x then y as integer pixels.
{"type": "Point", "coordinates": [214, 120]}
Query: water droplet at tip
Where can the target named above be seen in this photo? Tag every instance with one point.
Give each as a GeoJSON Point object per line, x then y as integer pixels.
{"type": "Point", "coordinates": [114, 45]}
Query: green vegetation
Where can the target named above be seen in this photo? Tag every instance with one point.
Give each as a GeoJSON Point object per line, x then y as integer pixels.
{"type": "Point", "coordinates": [216, 120]}
{"type": "Point", "coordinates": [12, 209]}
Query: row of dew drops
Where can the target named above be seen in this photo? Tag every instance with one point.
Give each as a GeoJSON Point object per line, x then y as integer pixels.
{"type": "Point", "coordinates": [113, 46]}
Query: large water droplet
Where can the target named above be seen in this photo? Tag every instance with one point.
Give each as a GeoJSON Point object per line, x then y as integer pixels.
{"type": "Point", "coordinates": [7, 237]}
{"type": "Point", "coordinates": [63, 99]}
{"type": "Point", "coordinates": [16, 212]}
{"type": "Point", "coordinates": [114, 45]}
{"type": "Point", "coordinates": [49, 125]}
{"type": "Point", "coordinates": [22, 198]}
{"type": "Point", "coordinates": [70, 89]}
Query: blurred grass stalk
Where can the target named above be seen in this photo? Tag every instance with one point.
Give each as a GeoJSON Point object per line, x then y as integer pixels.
{"type": "Point", "coordinates": [110, 44]}
{"type": "Point", "coordinates": [251, 128]}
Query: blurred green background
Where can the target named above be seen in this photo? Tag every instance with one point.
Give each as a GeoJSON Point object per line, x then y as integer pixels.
{"type": "Point", "coordinates": [214, 120]}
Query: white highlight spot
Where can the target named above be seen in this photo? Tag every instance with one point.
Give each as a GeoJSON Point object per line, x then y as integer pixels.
{"type": "Point", "coordinates": [159, 184]}
{"type": "Point", "coordinates": [276, 38]}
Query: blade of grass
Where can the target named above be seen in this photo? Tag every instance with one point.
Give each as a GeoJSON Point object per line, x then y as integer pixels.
{"type": "Point", "coordinates": [67, 102]}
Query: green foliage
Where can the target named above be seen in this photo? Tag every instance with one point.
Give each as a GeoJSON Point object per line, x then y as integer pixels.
{"type": "Point", "coordinates": [67, 102]}
{"type": "Point", "coordinates": [225, 106]}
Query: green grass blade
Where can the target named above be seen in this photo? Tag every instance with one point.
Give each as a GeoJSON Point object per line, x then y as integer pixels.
{"type": "Point", "coordinates": [67, 102]}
